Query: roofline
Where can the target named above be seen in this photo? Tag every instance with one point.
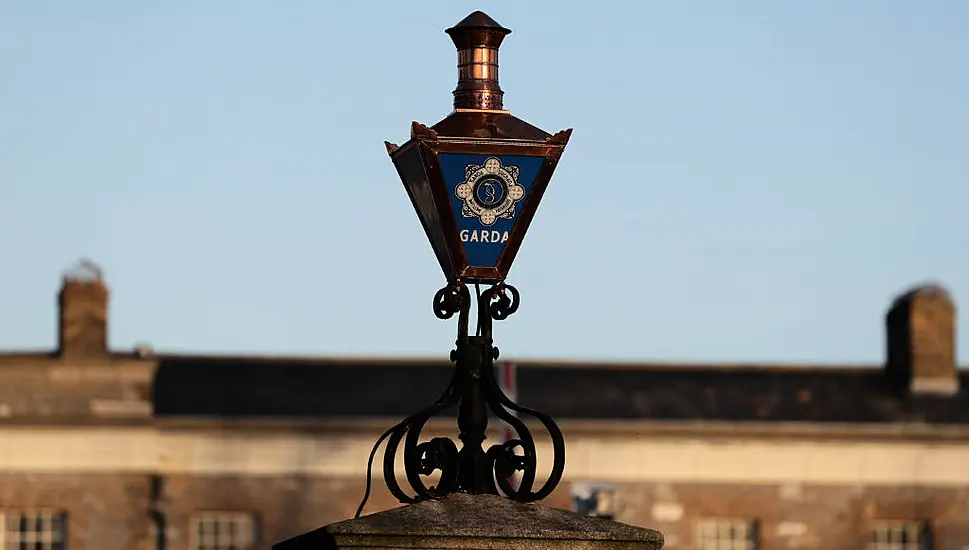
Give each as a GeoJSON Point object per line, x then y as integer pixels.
{"type": "Point", "coordinates": [389, 360]}
{"type": "Point", "coordinates": [709, 430]}
{"type": "Point", "coordinates": [703, 365]}
{"type": "Point", "coordinates": [442, 360]}
{"type": "Point", "coordinates": [28, 354]}
{"type": "Point", "coordinates": [854, 431]}
{"type": "Point", "coordinates": [54, 358]}
{"type": "Point", "coordinates": [322, 360]}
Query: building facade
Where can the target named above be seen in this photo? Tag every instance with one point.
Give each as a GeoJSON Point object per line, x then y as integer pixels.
{"type": "Point", "coordinates": [137, 450]}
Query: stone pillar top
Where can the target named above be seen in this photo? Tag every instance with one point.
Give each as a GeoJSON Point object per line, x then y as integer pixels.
{"type": "Point", "coordinates": [477, 522]}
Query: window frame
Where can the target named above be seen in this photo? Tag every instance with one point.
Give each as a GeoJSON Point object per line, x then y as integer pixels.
{"type": "Point", "coordinates": [923, 528]}
{"type": "Point", "coordinates": [198, 517]}
{"type": "Point", "coordinates": [751, 525]}
{"type": "Point", "coordinates": [50, 516]}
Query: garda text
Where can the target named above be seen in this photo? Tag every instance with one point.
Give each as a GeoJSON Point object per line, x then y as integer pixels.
{"type": "Point", "coordinates": [483, 236]}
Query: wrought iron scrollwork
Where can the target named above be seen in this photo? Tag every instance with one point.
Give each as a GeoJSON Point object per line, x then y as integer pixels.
{"type": "Point", "coordinates": [475, 389]}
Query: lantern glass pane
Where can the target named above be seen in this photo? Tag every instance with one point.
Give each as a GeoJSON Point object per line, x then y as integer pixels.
{"type": "Point", "coordinates": [411, 168]}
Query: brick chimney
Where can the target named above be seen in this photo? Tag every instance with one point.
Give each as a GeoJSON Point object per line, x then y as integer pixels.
{"type": "Point", "coordinates": [83, 322]}
{"type": "Point", "coordinates": [921, 331]}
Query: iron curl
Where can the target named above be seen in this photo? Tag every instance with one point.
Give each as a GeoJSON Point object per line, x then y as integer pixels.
{"type": "Point", "coordinates": [450, 300]}
{"type": "Point", "coordinates": [475, 388]}
{"type": "Point", "coordinates": [503, 300]}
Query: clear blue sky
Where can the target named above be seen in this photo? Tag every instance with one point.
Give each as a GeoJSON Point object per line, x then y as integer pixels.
{"type": "Point", "coordinates": [747, 180]}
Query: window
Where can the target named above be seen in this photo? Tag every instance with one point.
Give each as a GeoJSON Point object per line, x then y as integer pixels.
{"type": "Point", "coordinates": [726, 534]}
{"type": "Point", "coordinates": [40, 529]}
{"type": "Point", "coordinates": [224, 531]}
{"type": "Point", "coordinates": [594, 500]}
{"type": "Point", "coordinates": [899, 535]}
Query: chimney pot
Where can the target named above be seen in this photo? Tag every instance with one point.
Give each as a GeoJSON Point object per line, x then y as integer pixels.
{"type": "Point", "coordinates": [83, 320]}
{"type": "Point", "coordinates": [922, 341]}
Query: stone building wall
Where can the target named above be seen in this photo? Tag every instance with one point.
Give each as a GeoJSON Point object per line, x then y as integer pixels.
{"type": "Point", "coordinates": [104, 511]}
{"type": "Point", "coordinates": [808, 517]}
{"type": "Point", "coordinates": [112, 512]}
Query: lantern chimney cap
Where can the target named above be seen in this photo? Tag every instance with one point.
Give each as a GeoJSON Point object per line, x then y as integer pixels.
{"type": "Point", "coordinates": [463, 32]}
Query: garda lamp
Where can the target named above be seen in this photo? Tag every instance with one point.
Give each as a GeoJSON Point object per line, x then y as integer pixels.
{"type": "Point", "coordinates": [475, 179]}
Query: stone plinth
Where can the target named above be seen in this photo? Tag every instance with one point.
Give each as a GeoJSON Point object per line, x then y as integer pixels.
{"type": "Point", "coordinates": [472, 522]}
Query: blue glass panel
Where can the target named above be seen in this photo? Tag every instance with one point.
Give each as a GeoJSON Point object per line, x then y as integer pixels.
{"type": "Point", "coordinates": [487, 195]}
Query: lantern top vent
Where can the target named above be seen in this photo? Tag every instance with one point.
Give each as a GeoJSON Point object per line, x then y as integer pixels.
{"type": "Point", "coordinates": [477, 38]}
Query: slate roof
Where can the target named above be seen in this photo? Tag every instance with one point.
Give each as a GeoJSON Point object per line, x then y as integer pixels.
{"type": "Point", "coordinates": [335, 388]}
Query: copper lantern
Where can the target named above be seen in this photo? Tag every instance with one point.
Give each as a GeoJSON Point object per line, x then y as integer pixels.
{"type": "Point", "coordinates": [477, 177]}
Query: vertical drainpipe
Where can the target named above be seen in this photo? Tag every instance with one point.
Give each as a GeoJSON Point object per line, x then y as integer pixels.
{"type": "Point", "coordinates": [156, 509]}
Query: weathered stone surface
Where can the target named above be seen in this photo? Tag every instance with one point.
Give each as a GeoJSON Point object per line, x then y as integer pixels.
{"type": "Point", "coordinates": [463, 521]}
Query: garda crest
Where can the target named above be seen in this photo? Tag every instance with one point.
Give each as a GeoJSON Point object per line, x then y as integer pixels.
{"type": "Point", "coordinates": [490, 191]}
